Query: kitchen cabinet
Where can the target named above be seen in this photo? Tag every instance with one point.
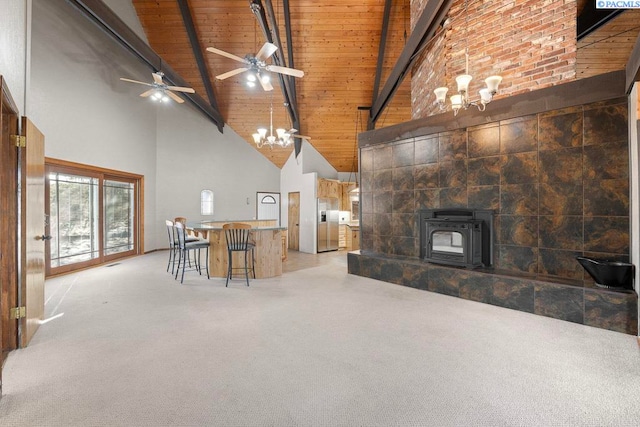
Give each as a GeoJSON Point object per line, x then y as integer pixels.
{"type": "Point", "coordinates": [329, 188]}
{"type": "Point", "coordinates": [345, 200]}
{"type": "Point", "coordinates": [353, 238]}
{"type": "Point", "coordinates": [342, 236]}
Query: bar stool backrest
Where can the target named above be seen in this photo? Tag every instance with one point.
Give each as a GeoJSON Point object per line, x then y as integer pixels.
{"type": "Point", "coordinates": [180, 234]}
{"type": "Point", "coordinates": [237, 235]}
{"type": "Point", "coordinates": [172, 239]}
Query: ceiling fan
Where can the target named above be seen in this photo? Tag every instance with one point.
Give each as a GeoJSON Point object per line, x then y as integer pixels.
{"type": "Point", "coordinates": [293, 134]}
{"type": "Point", "coordinates": [160, 91]}
{"type": "Point", "coordinates": [256, 65]}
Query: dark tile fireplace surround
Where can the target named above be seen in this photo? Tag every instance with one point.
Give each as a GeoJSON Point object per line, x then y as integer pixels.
{"type": "Point", "coordinates": [552, 166]}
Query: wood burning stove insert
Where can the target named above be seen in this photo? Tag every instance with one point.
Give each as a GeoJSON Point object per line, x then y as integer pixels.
{"type": "Point", "coordinates": [459, 237]}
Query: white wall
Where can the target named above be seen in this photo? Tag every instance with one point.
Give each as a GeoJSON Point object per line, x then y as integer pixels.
{"type": "Point", "coordinates": [14, 42]}
{"type": "Point", "coordinates": [315, 162]}
{"type": "Point", "coordinates": [89, 116]}
{"type": "Point", "coordinates": [301, 175]}
{"type": "Point", "coordinates": [193, 156]}
{"type": "Point", "coordinates": [77, 100]}
{"type": "Point", "coordinates": [125, 11]}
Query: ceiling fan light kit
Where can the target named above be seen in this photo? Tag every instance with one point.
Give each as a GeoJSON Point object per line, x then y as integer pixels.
{"type": "Point", "coordinates": [160, 96]}
{"type": "Point", "coordinates": [256, 66]}
{"type": "Point", "coordinates": [160, 91]}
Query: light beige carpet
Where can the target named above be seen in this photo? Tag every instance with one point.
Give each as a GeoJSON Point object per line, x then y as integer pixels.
{"type": "Point", "coordinates": [128, 345]}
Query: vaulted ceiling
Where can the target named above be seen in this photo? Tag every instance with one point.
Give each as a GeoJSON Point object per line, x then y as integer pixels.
{"type": "Point", "coordinates": [337, 45]}
{"type": "Point", "coordinates": [334, 42]}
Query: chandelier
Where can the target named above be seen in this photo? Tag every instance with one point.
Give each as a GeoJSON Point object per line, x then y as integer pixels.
{"type": "Point", "coordinates": [461, 99]}
{"type": "Point", "coordinates": [282, 138]}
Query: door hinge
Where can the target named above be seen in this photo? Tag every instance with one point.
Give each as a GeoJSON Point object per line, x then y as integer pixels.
{"type": "Point", "coordinates": [19, 140]}
{"type": "Point", "coordinates": [17, 313]}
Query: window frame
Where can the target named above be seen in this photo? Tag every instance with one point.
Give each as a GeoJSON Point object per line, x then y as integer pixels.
{"type": "Point", "coordinates": [102, 174]}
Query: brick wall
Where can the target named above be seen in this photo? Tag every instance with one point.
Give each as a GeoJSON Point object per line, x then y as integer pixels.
{"type": "Point", "coordinates": [531, 44]}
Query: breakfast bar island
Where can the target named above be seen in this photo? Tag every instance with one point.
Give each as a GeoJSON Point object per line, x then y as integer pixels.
{"type": "Point", "coordinates": [270, 247]}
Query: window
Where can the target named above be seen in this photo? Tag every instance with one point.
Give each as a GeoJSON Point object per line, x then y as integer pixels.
{"type": "Point", "coordinates": [206, 202]}
{"type": "Point", "coordinates": [92, 216]}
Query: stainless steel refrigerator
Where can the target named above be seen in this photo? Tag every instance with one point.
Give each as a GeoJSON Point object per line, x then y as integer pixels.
{"type": "Point", "coordinates": [328, 224]}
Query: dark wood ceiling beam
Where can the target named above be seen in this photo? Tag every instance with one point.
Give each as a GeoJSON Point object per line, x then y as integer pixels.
{"type": "Point", "coordinates": [287, 83]}
{"type": "Point", "coordinates": [108, 21]}
{"type": "Point", "coordinates": [432, 15]}
{"type": "Point", "coordinates": [590, 18]}
{"type": "Point", "coordinates": [278, 58]}
{"type": "Point", "coordinates": [381, 49]}
{"type": "Point", "coordinates": [258, 10]}
{"type": "Point", "coordinates": [290, 62]}
{"type": "Point", "coordinates": [187, 18]}
{"type": "Point", "coordinates": [632, 72]}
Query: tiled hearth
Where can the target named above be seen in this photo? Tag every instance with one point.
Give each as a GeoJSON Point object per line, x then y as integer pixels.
{"type": "Point", "coordinates": [557, 182]}
{"type": "Point", "coordinates": [601, 308]}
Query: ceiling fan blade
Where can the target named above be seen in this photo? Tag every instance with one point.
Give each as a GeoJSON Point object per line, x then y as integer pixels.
{"type": "Point", "coordinates": [266, 84]}
{"type": "Point", "coordinates": [147, 93]}
{"type": "Point", "coordinates": [266, 51]}
{"type": "Point", "coordinates": [135, 81]}
{"type": "Point", "coordinates": [227, 54]}
{"type": "Point", "coordinates": [301, 137]}
{"type": "Point", "coordinates": [174, 97]}
{"type": "Point", "coordinates": [284, 70]}
{"type": "Point", "coordinates": [157, 77]}
{"type": "Point", "coordinates": [181, 89]}
{"type": "Point", "coordinates": [231, 73]}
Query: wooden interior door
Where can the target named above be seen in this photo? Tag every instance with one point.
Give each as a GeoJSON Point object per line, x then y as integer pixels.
{"type": "Point", "coordinates": [294, 221]}
{"type": "Point", "coordinates": [8, 223]}
{"type": "Point", "coordinates": [33, 231]}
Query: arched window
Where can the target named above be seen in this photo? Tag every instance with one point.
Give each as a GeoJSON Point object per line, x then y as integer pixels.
{"type": "Point", "coordinates": [206, 202]}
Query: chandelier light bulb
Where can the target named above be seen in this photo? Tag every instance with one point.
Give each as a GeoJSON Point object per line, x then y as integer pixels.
{"type": "Point", "coordinates": [492, 83]}
{"type": "Point", "coordinates": [282, 138]}
{"type": "Point", "coordinates": [441, 94]}
{"type": "Point", "coordinates": [463, 82]}
{"type": "Point", "coordinates": [485, 96]}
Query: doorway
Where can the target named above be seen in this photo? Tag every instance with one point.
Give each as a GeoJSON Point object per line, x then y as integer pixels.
{"type": "Point", "coordinates": [8, 223]}
{"type": "Point", "coordinates": [293, 224]}
{"type": "Point", "coordinates": [268, 206]}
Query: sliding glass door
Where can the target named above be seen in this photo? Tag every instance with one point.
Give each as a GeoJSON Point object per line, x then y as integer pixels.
{"type": "Point", "coordinates": [119, 217]}
{"type": "Point", "coordinates": [73, 219]}
{"type": "Point", "coordinates": [92, 217]}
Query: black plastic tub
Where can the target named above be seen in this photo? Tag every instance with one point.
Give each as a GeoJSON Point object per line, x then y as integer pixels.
{"type": "Point", "coordinates": [609, 274]}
